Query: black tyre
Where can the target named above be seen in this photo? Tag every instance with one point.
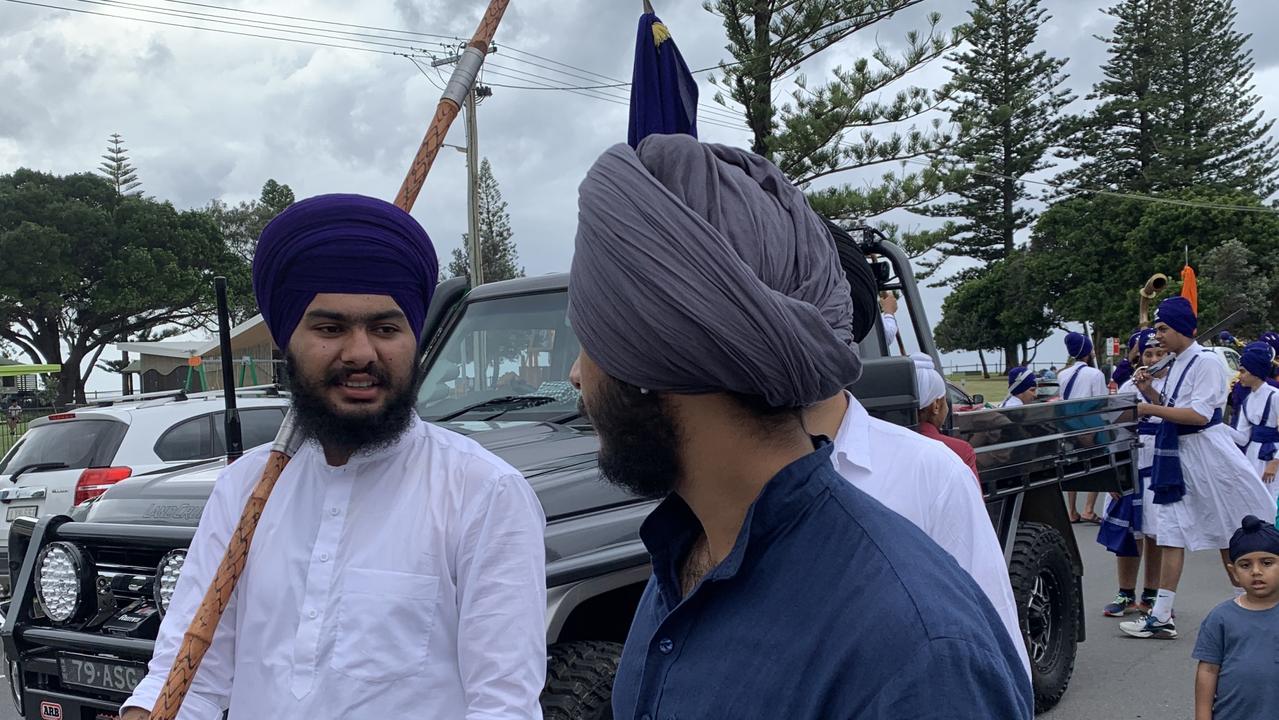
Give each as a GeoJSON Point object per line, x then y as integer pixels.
{"type": "Point", "coordinates": [579, 680]}
{"type": "Point", "coordinates": [1043, 581]}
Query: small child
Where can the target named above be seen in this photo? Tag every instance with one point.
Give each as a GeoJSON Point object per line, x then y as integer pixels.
{"type": "Point", "coordinates": [1238, 676]}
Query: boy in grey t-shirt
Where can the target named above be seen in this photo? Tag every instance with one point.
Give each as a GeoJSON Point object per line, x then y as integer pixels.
{"type": "Point", "coordinates": [1238, 646]}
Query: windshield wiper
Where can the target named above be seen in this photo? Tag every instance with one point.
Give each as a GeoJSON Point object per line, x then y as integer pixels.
{"type": "Point", "coordinates": [38, 467]}
{"type": "Point", "coordinates": [502, 404]}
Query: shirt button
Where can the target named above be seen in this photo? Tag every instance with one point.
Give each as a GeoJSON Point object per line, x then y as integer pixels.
{"type": "Point", "coordinates": [313, 614]}
{"type": "Point", "coordinates": [324, 557]}
{"type": "Point", "coordinates": [665, 645]}
{"type": "Point", "coordinates": [334, 511]}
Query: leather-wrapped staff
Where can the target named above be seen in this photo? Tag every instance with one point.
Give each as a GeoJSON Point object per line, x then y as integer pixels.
{"type": "Point", "coordinates": [199, 636]}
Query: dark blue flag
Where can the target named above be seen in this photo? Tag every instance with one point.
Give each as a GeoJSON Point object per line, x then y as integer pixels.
{"type": "Point", "coordinates": [663, 91]}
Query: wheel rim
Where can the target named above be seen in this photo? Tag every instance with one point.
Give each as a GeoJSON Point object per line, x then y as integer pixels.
{"type": "Point", "coordinates": [1044, 603]}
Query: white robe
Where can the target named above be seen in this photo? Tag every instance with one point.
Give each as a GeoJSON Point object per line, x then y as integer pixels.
{"type": "Point", "coordinates": [1221, 485]}
{"type": "Point", "coordinates": [1012, 401]}
{"type": "Point", "coordinates": [1253, 408]}
{"type": "Point", "coordinates": [1091, 382]}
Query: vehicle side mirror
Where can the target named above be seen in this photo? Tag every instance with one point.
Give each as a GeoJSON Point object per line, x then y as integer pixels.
{"type": "Point", "coordinates": [979, 399]}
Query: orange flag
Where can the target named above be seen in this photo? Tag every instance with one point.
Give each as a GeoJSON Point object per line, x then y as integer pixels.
{"type": "Point", "coordinates": [1190, 287]}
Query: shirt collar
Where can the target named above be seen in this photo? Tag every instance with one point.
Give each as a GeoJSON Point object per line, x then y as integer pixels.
{"type": "Point", "coordinates": [416, 428]}
{"type": "Point", "coordinates": [669, 531]}
{"type": "Point", "coordinates": [852, 442]}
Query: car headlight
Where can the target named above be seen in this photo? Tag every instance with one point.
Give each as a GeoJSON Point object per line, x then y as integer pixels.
{"type": "Point", "coordinates": [60, 581]}
{"type": "Point", "coordinates": [166, 577]}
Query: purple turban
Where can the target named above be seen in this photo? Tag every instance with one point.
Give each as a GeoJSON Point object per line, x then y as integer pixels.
{"type": "Point", "coordinates": [1144, 339]}
{"type": "Point", "coordinates": [349, 244]}
{"type": "Point", "coordinates": [1270, 338]}
{"type": "Point", "coordinates": [1258, 359]}
{"type": "Point", "coordinates": [1176, 313]}
{"type": "Point", "coordinates": [1020, 379]}
{"type": "Point", "coordinates": [1254, 535]}
{"type": "Point", "coordinates": [1078, 345]}
{"type": "Point", "coordinates": [700, 268]}
{"type": "Point", "coordinates": [1133, 339]}
{"type": "Point", "coordinates": [1122, 372]}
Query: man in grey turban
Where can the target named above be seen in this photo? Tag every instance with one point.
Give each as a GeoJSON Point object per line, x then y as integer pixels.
{"type": "Point", "coordinates": [711, 310]}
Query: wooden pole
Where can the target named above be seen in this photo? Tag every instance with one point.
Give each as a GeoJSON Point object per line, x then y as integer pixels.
{"type": "Point", "coordinates": [460, 83]}
{"type": "Point", "coordinates": [199, 635]}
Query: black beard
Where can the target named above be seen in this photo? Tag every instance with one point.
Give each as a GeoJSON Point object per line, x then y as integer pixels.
{"type": "Point", "coordinates": [639, 440]}
{"type": "Point", "coordinates": [350, 433]}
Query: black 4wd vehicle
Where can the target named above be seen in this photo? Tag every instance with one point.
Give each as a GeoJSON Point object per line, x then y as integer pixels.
{"type": "Point", "coordinates": [89, 591]}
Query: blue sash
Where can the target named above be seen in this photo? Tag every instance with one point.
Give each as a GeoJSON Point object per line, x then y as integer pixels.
{"type": "Point", "coordinates": [1121, 520]}
{"type": "Point", "coordinates": [1266, 434]}
{"type": "Point", "coordinates": [1167, 481]}
{"type": "Point", "coordinates": [1070, 384]}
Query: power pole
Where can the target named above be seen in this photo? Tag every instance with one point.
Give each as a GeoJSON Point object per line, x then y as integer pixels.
{"type": "Point", "coordinates": [473, 196]}
{"type": "Point", "coordinates": [474, 248]}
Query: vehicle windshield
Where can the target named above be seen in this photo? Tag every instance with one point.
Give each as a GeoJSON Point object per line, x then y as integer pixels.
{"type": "Point", "coordinates": [76, 443]}
{"type": "Point", "coordinates": [509, 356]}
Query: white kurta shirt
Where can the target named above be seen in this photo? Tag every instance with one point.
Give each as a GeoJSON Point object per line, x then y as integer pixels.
{"type": "Point", "coordinates": [1012, 401]}
{"type": "Point", "coordinates": [1254, 406]}
{"type": "Point", "coordinates": [890, 332]}
{"type": "Point", "coordinates": [408, 583]}
{"type": "Point", "coordinates": [1222, 486]}
{"type": "Point", "coordinates": [925, 482]}
{"type": "Point", "coordinates": [1091, 382]}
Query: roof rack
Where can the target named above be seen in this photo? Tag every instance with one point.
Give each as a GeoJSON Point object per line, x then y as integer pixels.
{"type": "Point", "coordinates": [271, 390]}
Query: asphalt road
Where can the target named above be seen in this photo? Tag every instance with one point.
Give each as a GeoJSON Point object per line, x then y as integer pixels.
{"type": "Point", "coordinates": [1121, 677]}
{"type": "Point", "coordinates": [1115, 676]}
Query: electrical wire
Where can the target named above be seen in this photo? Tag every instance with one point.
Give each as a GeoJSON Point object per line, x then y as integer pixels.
{"type": "Point", "coordinates": [201, 27]}
{"type": "Point", "coordinates": [709, 115]}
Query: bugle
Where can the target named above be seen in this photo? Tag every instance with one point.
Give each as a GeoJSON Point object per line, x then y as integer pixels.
{"type": "Point", "coordinates": [1148, 292]}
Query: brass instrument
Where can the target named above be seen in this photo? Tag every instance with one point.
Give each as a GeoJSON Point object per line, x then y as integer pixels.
{"type": "Point", "coordinates": [1148, 292]}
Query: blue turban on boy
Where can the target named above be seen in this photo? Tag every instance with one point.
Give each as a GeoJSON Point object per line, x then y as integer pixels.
{"type": "Point", "coordinates": [1078, 345]}
{"type": "Point", "coordinates": [1258, 359]}
{"type": "Point", "coordinates": [1020, 379]}
{"type": "Point", "coordinates": [1144, 339]}
{"type": "Point", "coordinates": [1254, 535]}
{"type": "Point", "coordinates": [1176, 313]}
{"type": "Point", "coordinates": [349, 244]}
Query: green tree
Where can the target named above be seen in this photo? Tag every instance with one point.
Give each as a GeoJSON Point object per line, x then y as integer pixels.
{"type": "Point", "coordinates": [116, 168]}
{"type": "Point", "coordinates": [1002, 307]}
{"type": "Point", "coordinates": [1177, 107]}
{"type": "Point", "coordinates": [1006, 99]}
{"type": "Point", "coordinates": [1092, 253]}
{"type": "Point", "coordinates": [85, 268]}
{"type": "Point", "coordinates": [241, 225]}
{"type": "Point", "coordinates": [826, 127]}
{"type": "Point", "coordinates": [1230, 278]}
{"type": "Point", "coordinates": [497, 240]}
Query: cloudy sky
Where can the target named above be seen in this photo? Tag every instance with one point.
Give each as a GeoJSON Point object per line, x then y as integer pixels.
{"type": "Point", "coordinates": [213, 115]}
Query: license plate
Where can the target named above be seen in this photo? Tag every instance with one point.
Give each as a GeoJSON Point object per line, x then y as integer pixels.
{"type": "Point", "coordinates": [101, 674]}
{"type": "Point", "coordinates": [14, 513]}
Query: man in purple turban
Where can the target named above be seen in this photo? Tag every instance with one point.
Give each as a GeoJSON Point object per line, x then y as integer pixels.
{"type": "Point", "coordinates": [1081, 380]}
{"type": "Point", "coordinates": [1202, 485]}
{"type": "Point", "coordinates": [399, 569]}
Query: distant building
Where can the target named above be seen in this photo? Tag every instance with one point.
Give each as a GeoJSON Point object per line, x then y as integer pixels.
{"type": "Point", "coordinates": [196, 365]}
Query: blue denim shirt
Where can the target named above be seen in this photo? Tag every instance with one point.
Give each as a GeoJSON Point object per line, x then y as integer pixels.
{"type": "Point", "coordinates": [828, 606]}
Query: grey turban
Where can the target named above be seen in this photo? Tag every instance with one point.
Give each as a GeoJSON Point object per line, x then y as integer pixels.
{"type": "Point", "coordinates": [699, 268]}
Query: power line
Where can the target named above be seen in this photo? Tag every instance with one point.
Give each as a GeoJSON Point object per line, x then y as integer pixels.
{"type": "Point", "coordinates": [202, 27]}
{"type": "Point", "coordinates": [710, 115]}
{"type": "Point", "coordinates": [256, 24]}
{"type": "Point", "coordinates": [325, 22]}
{"type": "Point", "coordinates": [704, 108]}
{"type": "Point", "coordinates": [1080, 190]}
{"type": "Point", "coordinates": [538, 83]}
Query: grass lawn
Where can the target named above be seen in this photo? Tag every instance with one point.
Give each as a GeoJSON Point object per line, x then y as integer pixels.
{"type": "Point", "coordinates": [994, 389]}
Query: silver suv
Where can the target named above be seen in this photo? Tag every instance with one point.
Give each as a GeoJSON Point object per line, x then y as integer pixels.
{"type": "Point", "coordinates": [64, 459]}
